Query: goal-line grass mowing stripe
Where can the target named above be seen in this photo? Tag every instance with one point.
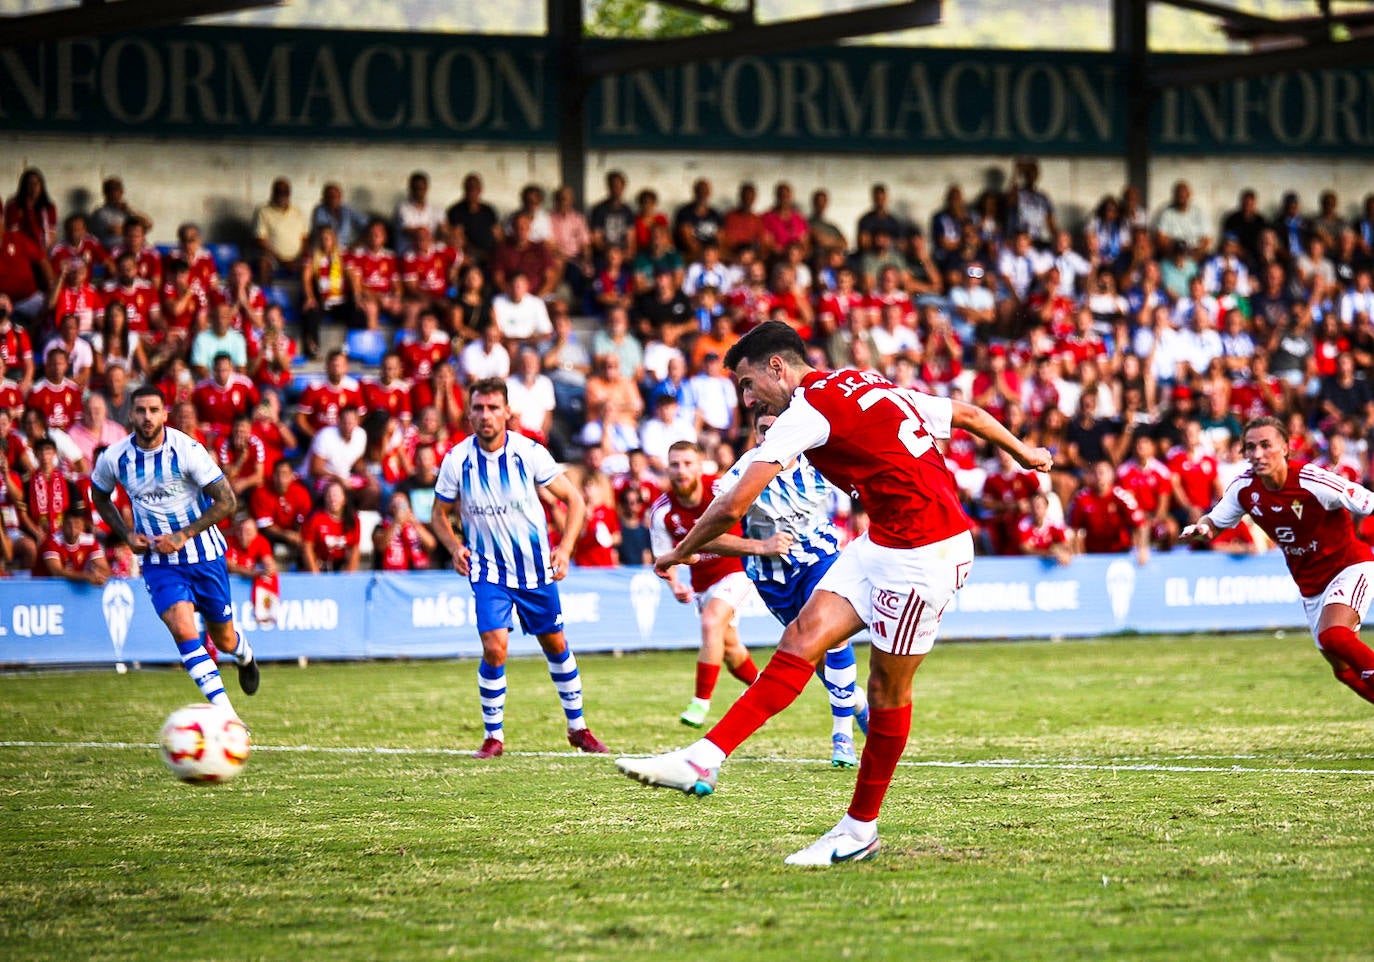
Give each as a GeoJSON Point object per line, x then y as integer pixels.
{"type": "Point", "coordinates": [1133, 764]}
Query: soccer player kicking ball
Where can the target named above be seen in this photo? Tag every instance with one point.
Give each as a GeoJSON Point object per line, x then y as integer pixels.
{"type": "Point", "coordinates": [718, 582]}
{"type": "Point", "coordinates": [876, 441]}
{"type": "Point", "coordinates": [169, 477]}
{"type": "Point", "coordinates": [789, 543]}
{"type": "Point", "coordinates": [1308, 512]}
{"type": "Point", "coordinates": [495, 476]}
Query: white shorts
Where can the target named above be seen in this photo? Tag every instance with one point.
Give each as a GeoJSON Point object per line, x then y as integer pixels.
{"type": "Point", "coordinates": [1350, 587]}
{"type": "Point", "coordinates": [900, 593]}
{"type": "Point", "coordinates": [733, 589]}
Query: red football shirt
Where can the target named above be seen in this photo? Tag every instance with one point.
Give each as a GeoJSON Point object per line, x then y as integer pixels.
{"type": "Point", "coordinates": [73, 557]}
{"type": "Point", "coordinates": [48, 499]}
{"type": "Point", "coordinates": [876, 442]}
{"type": "Point", "coordinates": [1106, 520]}
{"type": "Point", "coordinates": [246, 556]}
{"type": "Point", "coordinates": [672, 519]}
{"type": "Point", "coordinates": [595, 547]}
{"type": "Point", "coordinates": [218, 404]}
{"type": "Point", "coordinates": [1309, 518]}
{"type": "Point", "coordinates": [1197, 474]}
{"type": "Point", "coordinates": [60, 404]}
{"type": "Point", "coordinates": [139, 300]}
{"type": "Point", "coordinates": [1149, 483]}
{"type": "Point", "coordinates": [329, 538]}
{"type": "Point", "coordinates": [420, 360]}
{"type": "Point", "coordinates": [321, 402]}
{"type": "Point", "coordinates": [285, 512]}
{"type": "Point", "coordinates": [1040, 539]}
{"type": "Point", "coordinates": [1007, 490]}
{"type": "Point", "coordinates": [19, 259]}
{"type": "Point", "coordinates": [377, 270]}
{"type": "Point", "coordinates": [393, 398]}
{"type": "Point", "coordinates": [429, 272]}
{"type": "Point", "coordinates": [403, 551]}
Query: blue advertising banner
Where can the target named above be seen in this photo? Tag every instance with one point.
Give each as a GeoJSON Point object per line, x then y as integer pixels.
{"type": "Point", "coordinates": [431, 615]}
{"type": "Point", "coordinates": [257, 83]}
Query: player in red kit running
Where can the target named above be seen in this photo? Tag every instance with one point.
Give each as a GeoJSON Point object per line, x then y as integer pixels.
{"type": "Point", "coordinates": [718, 582]}
{"type": "Point", "coordinates": [1311, 514]}
{"type": "Point", "coordinates": [878, 442]}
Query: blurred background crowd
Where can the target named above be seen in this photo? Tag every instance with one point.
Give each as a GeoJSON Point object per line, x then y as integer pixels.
{"type": "Point", "coordinates": [324, 363]}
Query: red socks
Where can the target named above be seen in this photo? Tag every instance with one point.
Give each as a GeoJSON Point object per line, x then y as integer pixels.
{"type": "Point", "coordinates": [887, 733]}
{"type": "Point", "coordinates": [1344, 644]}
{"type": "Point", "coordinates": [706, 680]}
{"type": "Point", "coordinates": [778, 685]}
{"type": "Point", "coordinates": [746, 671]}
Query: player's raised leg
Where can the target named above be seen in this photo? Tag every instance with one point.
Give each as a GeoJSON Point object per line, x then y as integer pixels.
{"type": "Point", "coordinates": [826, 620]}
{"type": "Point", "coordinates": [1351, 659]}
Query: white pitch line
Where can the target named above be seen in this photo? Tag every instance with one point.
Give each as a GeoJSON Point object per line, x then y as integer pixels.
{"type": "Point", "coordinates": [1135, 765]}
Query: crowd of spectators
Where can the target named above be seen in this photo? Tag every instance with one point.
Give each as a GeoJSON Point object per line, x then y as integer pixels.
{"type": "Point", "coordinates": [1133, 346]}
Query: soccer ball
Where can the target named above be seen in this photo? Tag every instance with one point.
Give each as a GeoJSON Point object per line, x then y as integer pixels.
{"type": "Point", "coordinates": [204, 743]}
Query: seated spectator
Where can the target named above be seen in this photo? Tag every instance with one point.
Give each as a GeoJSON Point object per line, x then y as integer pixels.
{"type": "Point", "coordinates": [242, 456]}
{"type": "Point", "coordinates": [56, 397]}
{"type": "Point", "coordinates": [430, 348]}
{"type": "Point", "coordinates": [275, 434]}
{"type": "Point", "coordinates": [429, 270]}
{"type": "Point", "coordinates": [1041, 536]}
{"type": "Point", "coordinates": [1346, 395]}
{"type": "Point", "coordinates": [443, 394]}
{"type": "Point", "coordinates": [696, 223]}
{"type": "Point", "coordinates": [119, 395]}
{"type": "Point", "coordinates": [472, 307]}
{"type": "Point", "coordinates": [184, 307]}
{"type": "Point", "coordinates": [571, 241]}
{"type": "Point", "coordinates": [219, 338]}
{"type": "Point", "coordinates": [247, 554]}
{"type": "Point", "coordinates": [48, 494]}
{"type": "Point", "coordinates": [147, 260]}
{"type": "Point", "coordinates": [320, 403]}
{"type": "Point", "coordinates": [331, 538]}
{"type": "Point", "coordinates": [336, 455]}
{"type": "Point", "coordinates": [532, 397]}
{"type": "Point", "coordinates": [419, 487]}
{"type": "Point", "coordinates": [347, 224]}
{"type": "Point", "coordinates": [923, 278]}
{"type": "Point", "coordinates": [72, 552]}
{"type": "Point", "coordinates": [74, 295]}
{"type": "Point", "coordinates": [598, 542]}
{"type": "Point", "coordinates": [741, 227]}
{"type": "Point", "coordinates": [281, 230]}
{"type": "Point", "coordinates": [521, 254]}
{"type": "Point", "coordinates": [224, 396]}
{"type": "Point", "coordinates": [664, 313]}
{"type": "Point", "coordinates": [614, 405]}
{"type": "Point", "coordinates": [485, 357]}
{"type": "Point", "coordinates": [270, 357]}
{"type": "Point", "coordinates": [390, 392]}
{"type": "Point", "coordinates": [36, 428]}
{"type": "Point", "coordinates": [664, 429]}
{"type": "Point", "coordinates": [710, 271]}
{"type": "Point", "coordinates": [115, 346]}
{"type": "Point", "coordinates": [95, 429]}
{"type": "Point", "coordinates": [613, 285]}
{"type": "Point", "coordinates": [616, 339]}
{"type": "Point", "coordinates": [521, 317]}
{"type": "Point", "coordinates": [80, 357]}
{"type": "Point", "coordinates": [400, 542]}
{"type": "Point", "coordinates": [386, 459]}
{"type": "Point", "coordinates": [657, 256]}
{"type": "Point", "coordinates": [375, 276]}
{"type": "Point", "coordinates": [280, 507]}
{"type": "Point", "coordinates": [1106, 518]}
{"type": "Point", "coordinates": [1182, 222]}
{"type": "Point", "coordinates": [567, 363]}
{"type": "Point", "coordinates": [24, 276]}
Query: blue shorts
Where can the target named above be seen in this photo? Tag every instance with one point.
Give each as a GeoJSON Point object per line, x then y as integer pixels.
{"type": "Point", "coordinates": [786, 600]}
{"type": "Point", "coordinates": [205, 584]}
{"type": "Point", "coordinates": [540, 611]}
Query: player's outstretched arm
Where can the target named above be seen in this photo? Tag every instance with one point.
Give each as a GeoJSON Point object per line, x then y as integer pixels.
{"type": "Point", "coordinates": [973, 419]}
{"type": "Point", "coordinates": [1200, 531]}
{"type": "Point", "coordinates": [735, 546]}
{"type": "Point", "coordinates": [722, 515]}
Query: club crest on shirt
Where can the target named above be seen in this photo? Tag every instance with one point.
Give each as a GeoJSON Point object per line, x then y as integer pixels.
{"type": "Point", "coordinates": [1297, 509]}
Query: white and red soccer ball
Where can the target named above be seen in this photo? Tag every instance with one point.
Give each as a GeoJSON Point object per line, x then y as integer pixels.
{"type": "Point", "coordinates": [204, 743]}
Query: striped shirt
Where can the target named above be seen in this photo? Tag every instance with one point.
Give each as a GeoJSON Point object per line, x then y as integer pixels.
{"type": "Point", "coordinates": [166, 486]}
{"type": "Point", "coordinates": [503, 520]}
{"type": "Point", "coordinates": [797, 501]}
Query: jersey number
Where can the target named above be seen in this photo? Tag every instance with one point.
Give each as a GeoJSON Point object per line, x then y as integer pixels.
{"type": "Point", "coordinates": [912, 433]}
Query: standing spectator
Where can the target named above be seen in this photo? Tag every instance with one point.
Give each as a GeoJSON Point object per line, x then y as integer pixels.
{"type": "Point", "coordinates": [416, 211]}
{"type": "Point", "coordinates": [947, 228]}
{"type": "Point", "coordinates": [1111, 233]}
{"type": "Point", "coordinates": [401, 543]}
{"type": "Point", "coordinates": [1293, 228]}
{"type": "Point", "coordinates": [375, 274]}
{"type": "Point", "coordinates": [326, 289]}
{"type": "Point", "coordinates": [24, 275]}
{"type": "Point", "coordinates": [280, 229]}
{"type": "Point", "coordinates": [1028, 208]}
{"type": "Point", "coordinates": [648, 218]}
{"type": "Point", "coordinates": [742, 228]}
{"type": "Point", "coordinates": [1151, 483]}
{"type": "Point", "coordinates": [108, 220]}
{"type": "Point", "coordinates": [331, 538]}
{"type": "Point", "coordinates": [696, 223]}
{"type": "Point", "coordinates": [612, 220]}
{"type": "Point", "coordinates": [476, 220]}
{"type": "Point", "coordinates": [1196, 483]}
{"type": "Point", "coordinates": [31, 211]}
{"type": "Point", "coordinates": [347, 224]}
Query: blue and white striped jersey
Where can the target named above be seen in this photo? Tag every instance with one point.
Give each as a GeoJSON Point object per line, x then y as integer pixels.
{"type": "Point", "coordinates": [503, 520]}
{"type": "Point", "coordinates": [797, 501]}
{"type": "Point", "coordinates": [166, 486]}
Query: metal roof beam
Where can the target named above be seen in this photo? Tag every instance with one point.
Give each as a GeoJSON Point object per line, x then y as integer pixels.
{"type": "Point", "coordinates": [1309, 57]}
{"type": "Point", "coordinates": [765, 38]}
{"type": "Point", "coordinates": [736, 18]}
{"type": "Point", "coordinates": [114, 17]}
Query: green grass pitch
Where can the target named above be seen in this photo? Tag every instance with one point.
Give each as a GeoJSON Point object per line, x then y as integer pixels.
{"type": "Point", "coordinates": [1206, 798]}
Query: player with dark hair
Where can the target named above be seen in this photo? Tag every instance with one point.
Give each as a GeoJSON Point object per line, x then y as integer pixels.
{"type": "Point", "coordinates": [1312, 515]}
{"type": "Point", "coordinates": [179, 497]}
{"type": "Point", "coordinates": [877, 441]}
{"type": "Point", "coordinates": [496, 477]}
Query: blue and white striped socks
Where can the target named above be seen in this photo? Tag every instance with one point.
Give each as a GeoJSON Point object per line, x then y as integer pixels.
{"type": "Point", "coordinates": [203, 672]}
{"type": "Point", "coordinates": [841, 677]}
{"type": "Point", "coordinates": [491, 686]}
{"type": "Point", "coordinates": [563, 671]}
